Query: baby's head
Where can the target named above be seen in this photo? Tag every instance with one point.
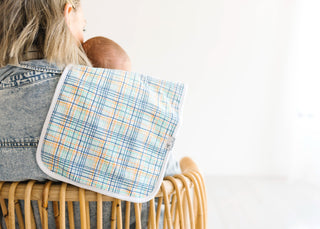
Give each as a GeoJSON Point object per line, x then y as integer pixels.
{"type": "Point", "coordinates": [105, 53]}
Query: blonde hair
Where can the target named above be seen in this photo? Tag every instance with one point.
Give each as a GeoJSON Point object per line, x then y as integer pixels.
{"type": "Point", "coordinates": [38, 23]}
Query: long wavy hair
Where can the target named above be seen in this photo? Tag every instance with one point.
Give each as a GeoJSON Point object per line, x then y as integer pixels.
{"type": "Point", "coordinates": [25, 24]}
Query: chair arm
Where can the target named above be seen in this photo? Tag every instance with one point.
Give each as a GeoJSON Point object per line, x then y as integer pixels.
{"type": "Point", "coordinates": [187, 164]}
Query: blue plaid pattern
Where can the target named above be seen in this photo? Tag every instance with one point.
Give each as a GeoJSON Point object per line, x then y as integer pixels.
{"type": "Point", "coordinates": [110, 131]}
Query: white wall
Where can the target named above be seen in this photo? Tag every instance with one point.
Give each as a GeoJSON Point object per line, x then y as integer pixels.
{"type": "Point", "coordinates": [232, 55]}
{"type": "Point", "coordinates": [302, 109]}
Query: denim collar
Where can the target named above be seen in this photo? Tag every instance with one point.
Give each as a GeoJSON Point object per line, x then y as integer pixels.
{"type": "Point", "coordinates": [41, 65]}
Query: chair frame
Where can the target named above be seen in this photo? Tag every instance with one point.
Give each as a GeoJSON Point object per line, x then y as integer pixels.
{"type": "Point", "coordinates": [183, 196]}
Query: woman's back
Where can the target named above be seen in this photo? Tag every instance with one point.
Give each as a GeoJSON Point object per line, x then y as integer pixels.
{"type": "Point", "coordinates": [25, 94]}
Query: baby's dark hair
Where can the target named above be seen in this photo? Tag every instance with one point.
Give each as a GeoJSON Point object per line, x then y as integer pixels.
{"type": "Point", "coordinates": [106, 53]}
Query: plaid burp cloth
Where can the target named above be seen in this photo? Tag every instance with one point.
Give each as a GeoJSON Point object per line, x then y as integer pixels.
{"type": "Point", "coordinates": [110, 131]}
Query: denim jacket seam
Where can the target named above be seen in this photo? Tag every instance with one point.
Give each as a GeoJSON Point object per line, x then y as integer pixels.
{"type": "Point", "coordinates": [38, 68]}
{"type": "Point", "coordinates": [35, 145]}
{"type": "Point", "coordinates": [19, 142]}
{"type": "Point", "coordinates": [28, 81]}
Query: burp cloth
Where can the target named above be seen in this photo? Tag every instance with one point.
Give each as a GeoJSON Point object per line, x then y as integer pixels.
{"type": "Point", "coordinates": [110, 131]}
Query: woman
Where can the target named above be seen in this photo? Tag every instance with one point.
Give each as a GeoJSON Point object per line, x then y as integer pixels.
{"type": "Point", "coordinates": [38, 38]}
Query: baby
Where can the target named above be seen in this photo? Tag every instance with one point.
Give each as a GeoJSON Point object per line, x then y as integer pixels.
{"type": "Point", "coordinates": [105, 53]}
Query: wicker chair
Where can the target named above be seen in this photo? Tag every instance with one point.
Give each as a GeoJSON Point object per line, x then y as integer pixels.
{"type": "Point", "coordinates": [183, 197]}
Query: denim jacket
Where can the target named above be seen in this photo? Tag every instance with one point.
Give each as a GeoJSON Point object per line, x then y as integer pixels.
{"type": "Point", "coordinates": [26, 91]}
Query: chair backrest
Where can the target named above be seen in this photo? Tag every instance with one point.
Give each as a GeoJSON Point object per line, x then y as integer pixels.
{"type": "Point", "coordinates": [183, 198]}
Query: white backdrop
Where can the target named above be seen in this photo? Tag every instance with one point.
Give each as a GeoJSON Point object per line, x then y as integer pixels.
{"type": "Point", "coordinates": [233, 56]}
{"type": "Point", "coordinates": [303, 112]}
